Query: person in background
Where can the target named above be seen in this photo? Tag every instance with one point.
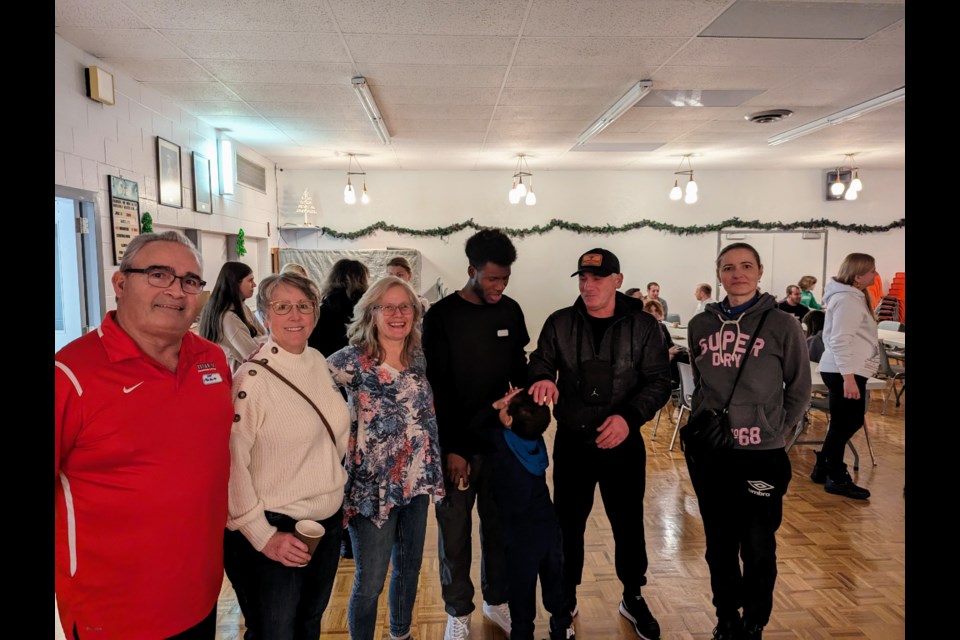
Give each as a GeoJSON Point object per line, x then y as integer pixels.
{"type": "Point", "coordinates": [346, 282]}
{"type": "Point", "coordinates": [295, 267]}
{"type": "Point", "coordinates": [813, 327]}
{"type": "Point", "coordinates": [226, 320]}
{"type": "Point", "coordinates": [534, 546]}
{"type": "Point", "coordinates": [474, 343]}
{"type": "Point", "coordinates": [633, 291]}
{"type": "Point", "coordinates": [399, 267]}
{"type": "Point", "coordinates": [653, 293]}
{"type": "Point", "coordinates": [806, 284]}
{"type": "Point", "coordinates": [285, 453]}
{"type": "Point", "coordinates": [850, 356]}
{"type": "Point", "coordinates": [675, 353]}
{"type": "Point", "coordinates": [603, 365]}
{"type": "Point", "coordinates": [703, 294]}
{"type": "Point", "coordinates": [142, 426]}
{"type": "Point", "coordinates": [740, 490]}
{"type": "Point", "coordinates": [791, 303]}
{"type": "Point", "coordinates": [393, 460]}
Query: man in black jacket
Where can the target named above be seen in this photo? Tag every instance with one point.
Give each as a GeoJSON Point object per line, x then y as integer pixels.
{"type": "Point", "coordinates": [474, 343]}
{"type": "Point", "coordinates": [603, 364]}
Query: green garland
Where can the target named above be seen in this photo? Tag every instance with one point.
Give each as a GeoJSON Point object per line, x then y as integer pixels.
{"type": "Point", "coordinates": [609, 229]}
{"type": "Point", "coordinates": [241, 248]}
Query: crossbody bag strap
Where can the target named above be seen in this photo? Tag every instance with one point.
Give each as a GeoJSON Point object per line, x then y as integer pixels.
{"type": "Point", "coordinates": [746, 358]}
{"type": "Point", "coordinates": [263, 363]}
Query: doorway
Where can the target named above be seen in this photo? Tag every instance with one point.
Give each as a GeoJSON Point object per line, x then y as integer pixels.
{"type": "Point", "coordinates": [78, 305]}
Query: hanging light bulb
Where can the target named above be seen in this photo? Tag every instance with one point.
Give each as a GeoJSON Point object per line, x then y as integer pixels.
{"type": "Point", "coordinates": [521, 188]}
{"type": "Point", "coordinates": [837, 187]}
{"type": "Point", "coordinates": [676, 193]}
{"type": "Point", "coordinates": [856, 185]}
{"type": "Point", "coordinates": [851, 194]}
{"type": "Point", "coordinates": [691, 197]}
{"type": "Point", "coordinates": [514, 196]}
{"type": "Point", "coordinates": [364, 198]}
{"type": "Point", "coordinates": [531, 197]}
{"type": "Point", "coordinates": [692, 185]}
{"type": "Point", "coordinates": [349, 195]}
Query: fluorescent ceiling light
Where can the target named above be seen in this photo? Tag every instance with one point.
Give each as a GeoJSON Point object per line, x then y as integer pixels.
{"type": "Point", "coordinates": [370, 108]}
{"type": "Point", "coordinates": [857, 110]}
{"type": "Point", "coordinates": [227, 167]}
{"type": "Point", "coordinates": [630, 98]}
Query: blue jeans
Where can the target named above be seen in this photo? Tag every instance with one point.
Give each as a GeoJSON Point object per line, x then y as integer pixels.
{"type": "Point", "coordinates": [279, 602]}
{"type": "Point", "coordinates": [400, 539]}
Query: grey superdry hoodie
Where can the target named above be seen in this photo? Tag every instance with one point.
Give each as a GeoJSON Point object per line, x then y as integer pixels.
{"type": "Point", "coordinates": [775, 387]}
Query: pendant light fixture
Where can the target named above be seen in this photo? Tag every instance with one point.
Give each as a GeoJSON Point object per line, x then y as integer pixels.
{"type": "Point", "coordinates": [838, 187]}
{"type": "Point", "coordinates": [349, 192]}
{"type": "Point", "coordinates": [690, 190]}
{"type": "Point", "coordinates": [519, 189]}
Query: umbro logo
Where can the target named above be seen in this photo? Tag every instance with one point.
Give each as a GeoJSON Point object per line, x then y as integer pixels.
{"type": "Point", "coordinates": [759, 488]}
{"type": "Point", "coordinates": [129, 389]}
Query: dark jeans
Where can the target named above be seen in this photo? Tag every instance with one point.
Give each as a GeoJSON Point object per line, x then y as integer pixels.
{"type": "Point", "coordinates": [536, 549]}
{"type": "Point", "coordinates": [400, 540]}
{"type": "Point", "coordinates": [578, 467]}
{"type": "Point", "coordinates": [846, 418]}
{"type": "Point", "coordinates": [741, 501]}
{"type": "Point", "coordinates": [279, 602]}
{"type": "Point", "coordinates": [206, 629]}
{"type": "Point", "coordinates": [455, 534]}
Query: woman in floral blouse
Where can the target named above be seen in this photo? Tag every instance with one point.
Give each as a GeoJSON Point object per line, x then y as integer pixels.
{"type": "Point", "coordinates": [393, 457]}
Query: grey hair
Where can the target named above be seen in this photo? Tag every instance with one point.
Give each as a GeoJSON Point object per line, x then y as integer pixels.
{"type": "Point", "coordinates": [305, 285]}
{"type": "Point", "coordinates": [362, 332]}
{"type": "Point", "coordinates": [142, 240]}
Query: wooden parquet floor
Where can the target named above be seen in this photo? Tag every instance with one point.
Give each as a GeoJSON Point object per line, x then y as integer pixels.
{"type": "Point", "coordinates": [841, 561]}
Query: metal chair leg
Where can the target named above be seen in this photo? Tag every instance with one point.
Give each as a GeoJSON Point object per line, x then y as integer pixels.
{"type": "Point", "coordinates": [866, 432]}
{"type": "Point", "coordinates": [676, 429]}
{"type": "Point", "coordinates": [856, 456]}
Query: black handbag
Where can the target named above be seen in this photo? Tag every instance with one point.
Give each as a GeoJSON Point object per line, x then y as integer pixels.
{"type": "Point", "coordinates": [708, 432]}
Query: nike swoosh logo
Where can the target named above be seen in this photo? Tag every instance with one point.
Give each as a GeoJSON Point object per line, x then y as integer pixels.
{"type": "Point", "coordinates": [129, 389]}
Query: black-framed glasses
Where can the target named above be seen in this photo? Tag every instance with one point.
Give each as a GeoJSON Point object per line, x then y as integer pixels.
{"type": "Point", "coordinates": [283, 308]}
{"type": "Point", "coordinates": [163, 277]}
{"type": "Point", "coordinates": [392, 309]}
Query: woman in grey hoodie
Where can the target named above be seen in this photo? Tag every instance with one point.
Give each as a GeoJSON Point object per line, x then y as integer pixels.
{"type": "Point", "coordinates": [850, 356]}
{"type": "Point", "coordinates": [740, 491]}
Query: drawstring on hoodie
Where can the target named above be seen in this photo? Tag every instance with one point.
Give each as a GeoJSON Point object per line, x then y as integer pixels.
{"type": "Point", "coordinates": [735, 322]}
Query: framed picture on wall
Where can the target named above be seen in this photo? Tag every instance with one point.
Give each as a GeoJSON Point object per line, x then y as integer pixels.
{"type": "Point", "coordinates": [201, 184]}
{"type": "Point", "coordinates": [168, 162]}
{"type": "Point", "coordinates": [124, 214]}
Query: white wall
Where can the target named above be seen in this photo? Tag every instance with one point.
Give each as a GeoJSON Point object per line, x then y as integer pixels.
{"type": "Point", "coordinates": [541, 281]}
{"type": "Point", "coordinates": [93, 141]}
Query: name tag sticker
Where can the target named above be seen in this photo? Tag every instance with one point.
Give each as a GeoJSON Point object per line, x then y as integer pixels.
{"type": "Point", "coordinates": [212, 378]}
{"type": "Point", "coordinates": [503, 333]}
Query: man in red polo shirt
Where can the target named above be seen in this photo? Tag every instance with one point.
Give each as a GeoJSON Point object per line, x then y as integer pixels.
{"type": "Point", "coordinates": [143, 416]}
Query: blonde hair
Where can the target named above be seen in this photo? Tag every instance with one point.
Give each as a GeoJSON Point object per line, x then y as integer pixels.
{"type": "Point", "coordinates": [806, 283]}
{"type": "Point", "coordinates": [295, 267]}
{"type": "Point", "coordinates": [653, 305]}
{"type": "Point", "coordinates": [856, 264]}
{"type": "Point", "coordinates": [363, 333]}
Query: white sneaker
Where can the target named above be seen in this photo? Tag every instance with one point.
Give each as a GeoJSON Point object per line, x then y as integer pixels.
{"type": "Point", "coordinates": [499, 614]}
{"type": "Point", "coordinates": [458, 628]}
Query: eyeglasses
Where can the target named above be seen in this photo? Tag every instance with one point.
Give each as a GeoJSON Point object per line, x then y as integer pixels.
{"type": "Point", "coordinates": [163, 277]}
{"type": "Point", "coordinates": [392, 309]}
{"type": "Point", "coordinates": [283, 308]}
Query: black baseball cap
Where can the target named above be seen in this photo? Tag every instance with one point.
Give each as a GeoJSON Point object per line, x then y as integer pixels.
{"type": "Point", "coordinates": [597, 261]}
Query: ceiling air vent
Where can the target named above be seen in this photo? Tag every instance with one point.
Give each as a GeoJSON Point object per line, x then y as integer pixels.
{"type": "Point", "coordinates": [251, 174]}
{"type": "Point", "coordinates": [766, 117]}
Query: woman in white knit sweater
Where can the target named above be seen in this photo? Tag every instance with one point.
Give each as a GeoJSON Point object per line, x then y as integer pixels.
{"type": "Point", "coordinates": [850, 356]}
{"type": "Point", "coordinates": [286, 465]}
{"type": "Point", "coordinates": [226, 320]}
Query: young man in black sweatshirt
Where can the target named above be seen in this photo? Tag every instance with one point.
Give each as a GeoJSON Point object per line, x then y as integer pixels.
{"type": "Point", "coordinates": [473, 341]}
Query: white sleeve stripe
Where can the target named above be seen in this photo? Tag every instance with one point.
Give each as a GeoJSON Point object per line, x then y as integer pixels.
{"type": "Point", "coordinates": [71, 524]}
{"type": "Point", "coordinates": [66, 370]}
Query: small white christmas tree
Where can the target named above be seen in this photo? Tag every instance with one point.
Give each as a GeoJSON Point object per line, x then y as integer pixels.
{"type": "Point", "coordinates": [306, 207]}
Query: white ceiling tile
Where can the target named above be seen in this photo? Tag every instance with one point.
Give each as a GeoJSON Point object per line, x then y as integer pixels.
{"type": "Point", "coordinates": [433, 75]}
{"type": "Point", "coordinates": [747, 52]}
{"type": "Point", "coordinates": [584, 115]}
{"type": "Point", "coordinates": [677, 77]}
{"type": "Point", "coordinates": [563, 97]}
{"type": "Point", "coordinates": [281, 72]}
{"type": "Point", "coordinates": [257, 45]}
{"type": "Point", "coordinates": [461, 50]}
{"type": "Point", "coordinates": [565, 127]}
{"type": "Point", "coordinates": [121, 43]}
{"type": "Point", "coordinates": [434, 17]}
{"type": "Point", "coordinates": [616, 51]}
{"type": "Point", "coordinates": [307, 110]}
{"type": "Point", "coordinates": [433, 96]}
{"type": "Point", "coordinates": [331, 120]}
{"type": "Point", "coordinates": [109, 14]}
{"type": "Point", "coordinates": [816, 90]}
{"type": "Point", "coordinates": [314, 93]}
{"type": "Point", "coordinates": [574, 77]}
{"type": "Point", "coordinates": [178, 70]}
{"type": "Point", "coordinates": [192, 90]}
{"type": "Point", "coordinates": [405, 128]}
{"type": "Point", "coordinates": [654, 18]}
{"type": "Point", "coordinates": [235, 15]}
{"type": "Point", "coordinates": [216, 108]}
{"type": "Point", "coordinates": [436, 112]}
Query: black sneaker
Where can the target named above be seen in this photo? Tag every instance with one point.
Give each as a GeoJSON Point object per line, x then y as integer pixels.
{"type": "Point", "coordinates": [819, 473]}
{"type": "Point", "coordinates": [753, 631]}
{"type": "Point", "coordinates": [634, 609]}
{"type": "Point", "coordinates": [728, 627]}
{"type": "Point", "coordinates": [841, 484]}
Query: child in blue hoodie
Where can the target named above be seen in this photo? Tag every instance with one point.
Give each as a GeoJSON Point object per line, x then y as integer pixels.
{"type": "Point", "coordinates": [529, 522]}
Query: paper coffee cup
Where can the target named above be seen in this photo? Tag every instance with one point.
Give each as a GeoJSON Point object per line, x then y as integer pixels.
{"type": "Point", "coordinates": [309, 533]}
